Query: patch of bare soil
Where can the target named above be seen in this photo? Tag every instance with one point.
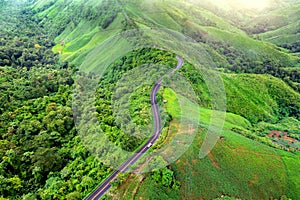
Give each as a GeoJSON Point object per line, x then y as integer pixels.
{"type": "Point", "coordinates": [213, 160]}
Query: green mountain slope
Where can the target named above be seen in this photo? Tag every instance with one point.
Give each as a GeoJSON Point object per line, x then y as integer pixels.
{"type": "Point", "coordinates": [252, 98]}
{"type": "Point", "coordinates": [237, 167]}
{"type": "Point", "coordinates": [281, 27]}
{"type": "Point", "coordinates": [223, 35]}
{"type": "Point", "coordinates": [82, 33]}
{"type": "Point", "coordinates": [255, 53]}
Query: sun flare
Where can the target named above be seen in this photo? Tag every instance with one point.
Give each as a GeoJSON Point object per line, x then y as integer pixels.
{"type": "Point", "coordinates": [254, 4]}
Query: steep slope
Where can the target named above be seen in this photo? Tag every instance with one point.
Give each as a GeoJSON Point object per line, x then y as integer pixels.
{"type": "Point", "coordinates": [281, 27]}
{"type": "Point", "coordinates": [245, 162]}
{"type": "Point", "coordinates": [78, 34]}
{"type": "Point", "coordinates": [220, 33]}
{"type": "Point", "coordinates": [237, 167]}
{"type": "Point", "coordinates": [79, 26]}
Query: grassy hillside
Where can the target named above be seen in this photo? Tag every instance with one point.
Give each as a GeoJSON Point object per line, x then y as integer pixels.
{"type": "Point", "coordinates": [237, 167]}
{"type": "Point", "coordinates": [265, 173]}
{"type": "Point", "coordinates": [79, 26]}
{"type": "Point", "coordinates": [257, 155]}
{"type": "Point", "coordinates": [233, 168]}
{"type": "Point", "coordinates": [260, 97]}
{"type": "Point", "coordinates": [231, 48]}
{"type": "Point", "coordinates": [193, 20]}
{"type": "Point", "coordinates": [80, 34]}
{"type": "Point", "coordinates": [281, 27]}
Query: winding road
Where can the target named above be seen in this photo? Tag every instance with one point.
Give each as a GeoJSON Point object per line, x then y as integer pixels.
{"type": "Point", "coordinates": [102, 189]}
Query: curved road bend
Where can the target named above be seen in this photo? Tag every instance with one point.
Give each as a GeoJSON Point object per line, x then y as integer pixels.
{"type": "Point", "coordinates": [102, 189]}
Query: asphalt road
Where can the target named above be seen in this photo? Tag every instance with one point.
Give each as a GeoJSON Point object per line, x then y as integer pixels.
{"type": "Point", "coordinates": [102, 189]}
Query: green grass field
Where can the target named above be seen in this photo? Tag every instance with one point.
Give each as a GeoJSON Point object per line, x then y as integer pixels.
{"type": "Point", "coordinates": [284, 27]}
{"type": "Point", "coordinates": [237, 167]}
{"type": "Point", "coordinates": [78, 40]}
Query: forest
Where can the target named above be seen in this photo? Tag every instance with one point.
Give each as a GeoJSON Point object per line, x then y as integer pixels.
{"type": "Point", "coordinates": [40, 149]}
{"type": "Point", "coordinates": [38, 136]}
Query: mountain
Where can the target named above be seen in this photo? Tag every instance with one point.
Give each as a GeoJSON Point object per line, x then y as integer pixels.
{"type": "Point", "coordinates": [235, 48]}
{"type": "Point", "coordinates": [53, 52]}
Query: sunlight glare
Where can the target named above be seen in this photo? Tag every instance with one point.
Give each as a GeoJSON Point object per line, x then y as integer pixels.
{"type": "Point", "coordinates": [254, 4]}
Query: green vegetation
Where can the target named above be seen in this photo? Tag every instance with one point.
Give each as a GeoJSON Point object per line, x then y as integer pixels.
{"type": "Point", "coordinates": [105, 90]}
{"type": "Point", "coordinates": [27, 45]}
{"type": "Point", "coordinates": [260, 98]}
{"type": "Point", "coordinates": [239, 167]}
{"type": "Point", "coordinates": [43, 44]}
{"type": "Point", "coordinates": [41, 155]}
{"type": "Point", "coordinates": [231, 48]}
{"type": "Point", "coordinates": [281, 27]}
{"type": "Point", "coordinates": [80, 27]}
